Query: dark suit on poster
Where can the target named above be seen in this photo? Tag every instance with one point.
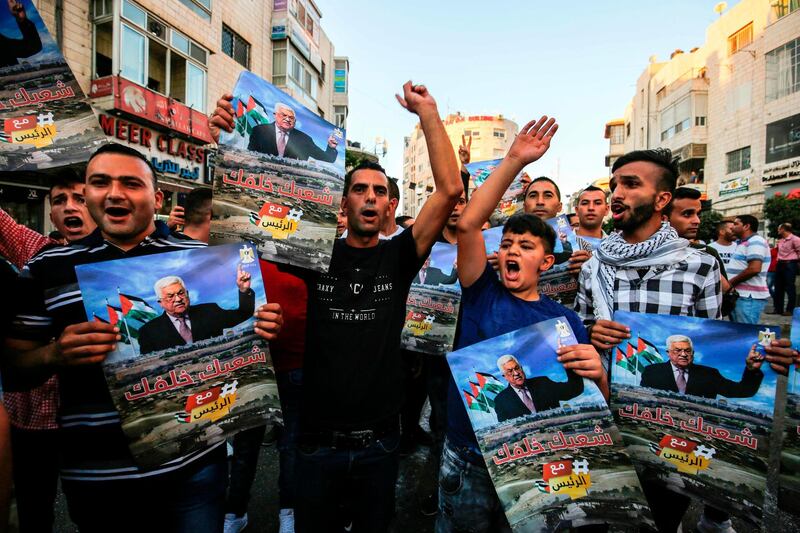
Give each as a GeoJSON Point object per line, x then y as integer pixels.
{"type": "Point", "coordinates": [207, 320]}
{"type": "Point", "coordinates": [434, 276]}
{"type": "Point", "coordinates": [13, 49]}
{"type": "Point", "coordinates": [298, 146]}
{"type": "Point", "coordinates": [703, 381]}
{"type": "Point", "coordinates": [545, 393]}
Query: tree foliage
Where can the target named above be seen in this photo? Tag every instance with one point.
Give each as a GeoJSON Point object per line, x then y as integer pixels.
{"type": "Point", "coordinates": [780, 209]}
{"type": "Point", "coordinates": [354, 158]}
{"type": "Point", "coordinates": [708, 225]}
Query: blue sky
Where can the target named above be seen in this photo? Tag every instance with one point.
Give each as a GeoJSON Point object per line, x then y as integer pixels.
{"type": "Point", "coordinates": [535, 349]}
{"type": "Point", "coordinates": [306, 121]}
{"type": "Point", "coordinates": [578, 62]}
{"type": "Point", "coordinates": [10, 29]}
{"type": "Point", "coordinates": [717, 343]}
{"type": "Point", "coordinates": [209, 274]}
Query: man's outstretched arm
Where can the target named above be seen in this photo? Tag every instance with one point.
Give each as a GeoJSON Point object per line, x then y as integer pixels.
{"type": "Point", "coordinates": [531, 144]}
{"type": "Point", "coordinates": [433, 215]}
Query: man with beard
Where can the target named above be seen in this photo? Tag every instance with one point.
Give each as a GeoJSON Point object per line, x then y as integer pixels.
{"type": "Point", "coordinates": [647, 267]}
{"type": "Point", "coordinates": [725, 244]}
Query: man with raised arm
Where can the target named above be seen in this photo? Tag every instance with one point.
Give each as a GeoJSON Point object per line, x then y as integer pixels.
{"type": "Point", "coordinates": [352, 375]}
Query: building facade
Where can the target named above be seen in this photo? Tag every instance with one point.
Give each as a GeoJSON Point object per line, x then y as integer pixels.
{"type": "Point", "coordinates": [491, 136]}
{"type": "Point", "coordinates": [154, 70]}
{"type": "Point", "coordinates": [729, 109]}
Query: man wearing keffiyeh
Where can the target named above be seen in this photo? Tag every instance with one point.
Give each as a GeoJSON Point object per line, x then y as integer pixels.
{"type": "Point", "coordinates": [646, 267]}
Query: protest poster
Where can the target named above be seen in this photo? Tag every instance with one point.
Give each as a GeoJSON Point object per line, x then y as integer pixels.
{"type": "Point", "coordinates": [711, 441]}
{"type": "Point", "coordinates": [789, 487]}
{"type": "Point", "coordinates": [512, 200]}
{"type": "Point", "coordinates": [557, 282]}
{"type": "Point", "coordinates": [45, 119]}
{"type": "Point", "coordinates": [565, 465]}
{"type": "Point", "coordinates": [189, 370]}
{"type": "Point", "coordinates": [432, 303]}
{"type": "Point", "coordinates": [278, 178]}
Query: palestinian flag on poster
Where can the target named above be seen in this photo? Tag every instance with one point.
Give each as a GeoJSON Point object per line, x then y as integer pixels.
{"type": "Point", "coordinates": [114, 318]}
{"type": "Point", "coordinates": [489, 383]}
{"type": "Point", "coordinates": [476, 403]}
{"type": "Point", "coordinates": [134, 308]}
{"type": "Point", "coordinates": [634, 359]}
{"type": "Point", "coordinates": [249, 115]}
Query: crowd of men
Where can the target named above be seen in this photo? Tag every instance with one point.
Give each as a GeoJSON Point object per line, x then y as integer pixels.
{"type": "Point", "coordinates": [351, 397]}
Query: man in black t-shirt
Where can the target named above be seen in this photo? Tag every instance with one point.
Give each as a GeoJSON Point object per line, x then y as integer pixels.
{"type": "Point", "coordinates": [353, 376]}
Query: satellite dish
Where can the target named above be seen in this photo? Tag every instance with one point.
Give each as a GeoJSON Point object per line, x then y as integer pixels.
{"type": "Point", "coordinates": [720, 7]}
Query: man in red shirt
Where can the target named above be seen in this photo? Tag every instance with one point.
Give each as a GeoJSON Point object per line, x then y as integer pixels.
{"type": "Point", "coordinates": [786, 269]}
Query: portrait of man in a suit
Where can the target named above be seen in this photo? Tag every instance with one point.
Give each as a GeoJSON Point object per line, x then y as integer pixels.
{"type": "Point", "coordinates": [184, 323]}
{"type": "Point", "coordinates": [524, 395]}
{"type": "Point", "coordinates": [11, 50]}
{"type": "Point", "coordinates": [282, 139]}
{"type": "Point", "coordinates": [683, 376]}
{"type": "Point", "coordinates": [429, 275]}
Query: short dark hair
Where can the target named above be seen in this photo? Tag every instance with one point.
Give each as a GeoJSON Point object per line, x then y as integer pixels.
{"type": "Point", "coordinates": [364, 165]}
{"type": "Point", "coordinates": [749, 220]}
{"type": "Point", "coordinates": [198, 206]}
{"type": "Point", "coordinates": [116, 148]}
{"type": "Point", "coordinates": [67, 178]}
{"type": "Point", "coordinates": [394, 190]}
{"type": "Point", "coordinates": [527, 223]}
{"type": "Point", "coordinates": [660, 157]}
{"type": "Point", "coordinates": [786, 226]}
{"type": "Point", "coordinates": [721, 224]}
{"type": "Point", "coordinates": [681, 193]}
{"type": "Point", "coordinates": [402, 220]}
{"type": "Point", "coordinates": [592, 188]}
{"type": "Point", "coordinates": [543, 178]}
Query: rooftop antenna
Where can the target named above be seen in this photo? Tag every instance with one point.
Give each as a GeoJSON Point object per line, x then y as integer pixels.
{"type": "Point", "coordinates": [720, 7]}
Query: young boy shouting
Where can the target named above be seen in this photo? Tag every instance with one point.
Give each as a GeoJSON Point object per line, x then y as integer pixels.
{"type": "Point", "coordinates": [492, 307]}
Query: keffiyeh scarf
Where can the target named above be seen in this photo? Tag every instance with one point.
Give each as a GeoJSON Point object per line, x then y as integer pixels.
{"type": "Point", "coordinates": [664, 247]}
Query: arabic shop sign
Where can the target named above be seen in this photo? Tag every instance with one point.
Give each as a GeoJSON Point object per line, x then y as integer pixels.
{"type": "Point", "coordinates": [734, 186]}
{"type": "Point", "coordinates": [169, 155]}
{"type": "Point", "coordinates": [786, 171]}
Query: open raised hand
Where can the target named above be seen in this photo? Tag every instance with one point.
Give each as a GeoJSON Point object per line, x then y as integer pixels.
{"type": "Point", "coordinates": [533, 140]}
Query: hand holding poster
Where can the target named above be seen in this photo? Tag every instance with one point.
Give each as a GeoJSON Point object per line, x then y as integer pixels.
{"type": "Point", "coordinates": [432, 304]}
{"type": "Point", "coordinates": [279, 177]}
{"type": "Point", "coordinates": [189, 370]}
{"type": "Point", "coordinates": [548, 439]}
{"type": "Point", "coordinates": [45, 120]}
{"type": "Point", "coordinates": [789, 493]}
{"type": "Point", "coordinates": [694, 401]}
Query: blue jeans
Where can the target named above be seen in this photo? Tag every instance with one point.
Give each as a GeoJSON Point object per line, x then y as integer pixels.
{"type": "Point", "coordinates": [748, 310]}
{"type": "Point", "coordinates": [360, 482]}
{"type": "Point", "coordinates": [468, 501]}
{"type": "Point", "coordinates": [190, 501]}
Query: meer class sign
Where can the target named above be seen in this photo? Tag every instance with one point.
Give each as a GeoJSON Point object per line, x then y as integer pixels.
{"type": "Point", "coordinates": [169, 155]}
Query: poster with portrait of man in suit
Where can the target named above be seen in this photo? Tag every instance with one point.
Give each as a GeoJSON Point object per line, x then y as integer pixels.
{"type": "Point", "coordinates": [188, 370]}
{"type": "Point", "coordinates": [546, 434]}
{"type": "Point", "coordinates": [789, 481]}
{"type": "Point", "coordinates": [279, 177]}
{"type": "Point", "coordinates": [694, 399]}
{"type": "Point", "coordinates": [45, 119]}
{"type": "Point", "coordinates": [432, 304]}
{"type": "Point", "coordinates": [513, 198]}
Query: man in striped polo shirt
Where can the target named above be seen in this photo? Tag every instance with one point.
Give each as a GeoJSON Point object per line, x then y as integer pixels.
{"type": "Point", "coordinates": [747, 270]}
{"type": "Point", "coordinates": [50, 334]}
